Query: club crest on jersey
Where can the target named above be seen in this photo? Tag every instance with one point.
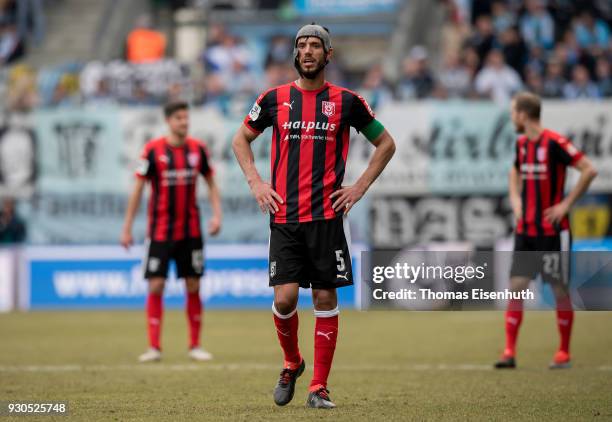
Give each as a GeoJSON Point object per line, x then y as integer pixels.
{"type": "Point", "coordinates": [329, 108]}
{"type": "Point", "coordinates": [541, 154]}
{"type": "Point", "coordinates": [193, 159]}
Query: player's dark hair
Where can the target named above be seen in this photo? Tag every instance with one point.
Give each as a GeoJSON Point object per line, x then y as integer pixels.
{"type": "Point", "coordinates": [529, 103]}
{"type": "Point", "coordinates": [174, 106]}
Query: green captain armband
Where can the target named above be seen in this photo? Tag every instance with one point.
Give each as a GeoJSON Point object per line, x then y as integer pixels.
{"type": "Point", "coordinates": [373, 130]}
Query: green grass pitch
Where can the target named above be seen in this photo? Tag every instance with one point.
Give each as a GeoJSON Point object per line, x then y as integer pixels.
{"type": "Point", "coordinates": [388, 366]}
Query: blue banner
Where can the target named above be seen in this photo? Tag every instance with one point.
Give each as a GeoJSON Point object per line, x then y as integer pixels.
{"type": "Point", "coordinates": [345, 7]}
{"type": "Point", "coordinates": [110, 278]}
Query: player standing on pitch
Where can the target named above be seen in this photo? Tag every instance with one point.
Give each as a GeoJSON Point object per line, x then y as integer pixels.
{"type": "Point", "coordinates": [536, 189]}
{"type": "Point", "coordinates": [309, 238]}
{"type": "Point", "coordinates": [172, 164]}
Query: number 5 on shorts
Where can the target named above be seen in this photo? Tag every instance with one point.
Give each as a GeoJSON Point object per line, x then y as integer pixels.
{"type": "Point", "coordinates": [341, 266]}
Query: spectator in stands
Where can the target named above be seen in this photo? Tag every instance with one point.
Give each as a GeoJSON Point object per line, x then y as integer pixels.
{"type": "Point", "coordinates": [8, 11]}
{"type": "Point", "coordinates": [66, 92]}
{"type": "Point", "coordinates": [279, 52]}
{"type": "Point", "coordinates": [537, 60]}
{"type": "Point", "coordinates": [31, 12]}
{"type": "Point", "coordinates": [140, 96]}
{"type": "Point", "coordinates": [416, 80]}
{"type": "Point", "coordinates": [145, 44]}
{"type": "Point", "coordinates": [591, 32]}
{"type": "Point", "coordinates": [483, 38]}
{"type": "Point", "coordinates": [11, 45]}
{"type": "Point", "coordinates": [472, 61]}
{"type": "Point", "coordinates": [567, 59]}
{"type": "Point", "coordinates": [224, 57]}
{"type": "Point", "coordinates": [497, 80]}
{"type": "Point", "coordinates": [230, 64]}
{"type": "Point", "coordinates": [454, 78]}
{"type": "Point", "coordinates": [533, 81]}
{"type": "Point", "coordinates": [604, 77]}
{"type": "Point", "coordinates": [12, 227]}
{"type": "Point", "coordinates": [503, 18]}
{"type": "Point", "coordinates": [514, 48]}
{"type": "Point", "coordinates": [455, 28]}
{"type": "Point", "coordinates": [102, 96]}
{"type": "Point", "coordinates": [374, 88]}
{"type": "Point", "coordinates": [537, 25]}
{"type": "Point", "coordinates": [581, 86]}
{"type": "Point", "coordinates": [22, 93]}
{"type": "Point", "coordinates": [554, 81]}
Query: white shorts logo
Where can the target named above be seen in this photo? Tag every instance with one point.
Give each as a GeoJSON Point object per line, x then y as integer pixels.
{"type": "Point", "coordinates": [272, 268]}
{"type": "Point", "coordinates": [254, 113]}
{"type": "Point", "coordinates": [197, 260]}
{"type": "Point", "coordinates": [153, 264]}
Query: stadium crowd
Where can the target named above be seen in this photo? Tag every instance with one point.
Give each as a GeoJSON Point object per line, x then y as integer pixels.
{"type": "Point", "coordinates": [488, 50]}
{"type": "Point", "coordinates": [555, 48]}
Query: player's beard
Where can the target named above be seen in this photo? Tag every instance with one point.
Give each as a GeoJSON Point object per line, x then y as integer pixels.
{"type": "Point", "coordinates": [519, 128]}
{"type": "Point", "coordinates": [181, 133]}
{"type": "Point", "coordinates": [310, 74]}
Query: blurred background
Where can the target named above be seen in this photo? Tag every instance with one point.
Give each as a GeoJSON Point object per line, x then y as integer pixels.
{"type": "Point", "coordinates": [82, 83]}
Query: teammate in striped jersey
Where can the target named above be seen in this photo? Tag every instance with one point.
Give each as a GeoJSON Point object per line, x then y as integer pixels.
{"type": "Point", "coordinates": [309, 243]}
{"type": "Point", "coordinates": [172, 165]}
{"type": "Point", "coordinates": [536, 187]}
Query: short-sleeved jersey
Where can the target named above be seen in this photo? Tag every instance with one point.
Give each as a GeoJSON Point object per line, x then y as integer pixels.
{"type": "Point", "coordinates": [542, 164]}
{"type": "Point", "coordinates": [173, 171]}
{"type": "Point", "coordinates": [310, 141]}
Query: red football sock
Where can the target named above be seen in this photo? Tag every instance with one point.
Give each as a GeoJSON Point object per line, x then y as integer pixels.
{"type": "Point", "coordinates": [155, 310]}
{"type": "Point", "coordinates": [326, 333]}
{"type": "Point", "coordinates": [194, 317]}
{"type": "Point", "coordinates": [514, 317]}
{"type": "Point", "coordinates": [565, 319]}
{"type": "Point", "coordinates": [287, 332]}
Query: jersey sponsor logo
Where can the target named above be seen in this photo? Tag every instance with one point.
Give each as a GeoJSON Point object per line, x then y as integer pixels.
{"type": "Point", "coordinates": [164, 159]}
{"type": "Point", "coordinates": [197, 260]}
{"type": "Point", "coordinates": [290, 105]}
{"type": "Point", "coordinates": [193, 159]}
{"type": "Point", "coordinates": [254, 113]}
{"type": "Point", "coordinates": [300, 137]}
{"type": "Point", "coordinates": [533, 168]}
{"type": "Point", "coordinates": [176, 177]}
{"type": "Point", "coordinates": [143, 167]}
{"type": "Point", "coordinates": [272, 268]}
{"type": "Point", "coordinates": [329, 108]}
{"type": "Point", "coordinates": [308, 126]}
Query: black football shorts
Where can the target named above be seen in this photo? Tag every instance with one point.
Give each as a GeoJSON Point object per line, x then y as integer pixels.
{"type": "Point", "coordinates": [314, 254]}
{"type": "Point", "coordinates": [547, 256]}
{"type": "Point", "coordinates": [188, 254]}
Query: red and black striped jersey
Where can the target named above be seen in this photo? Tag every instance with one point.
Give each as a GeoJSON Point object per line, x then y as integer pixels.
{"type": "Point", "coordinates": [310, 141]}
{"type": "Point", "coordinates": [173, 171]}
{"type": "Point", "coordinates": [542, 164]}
